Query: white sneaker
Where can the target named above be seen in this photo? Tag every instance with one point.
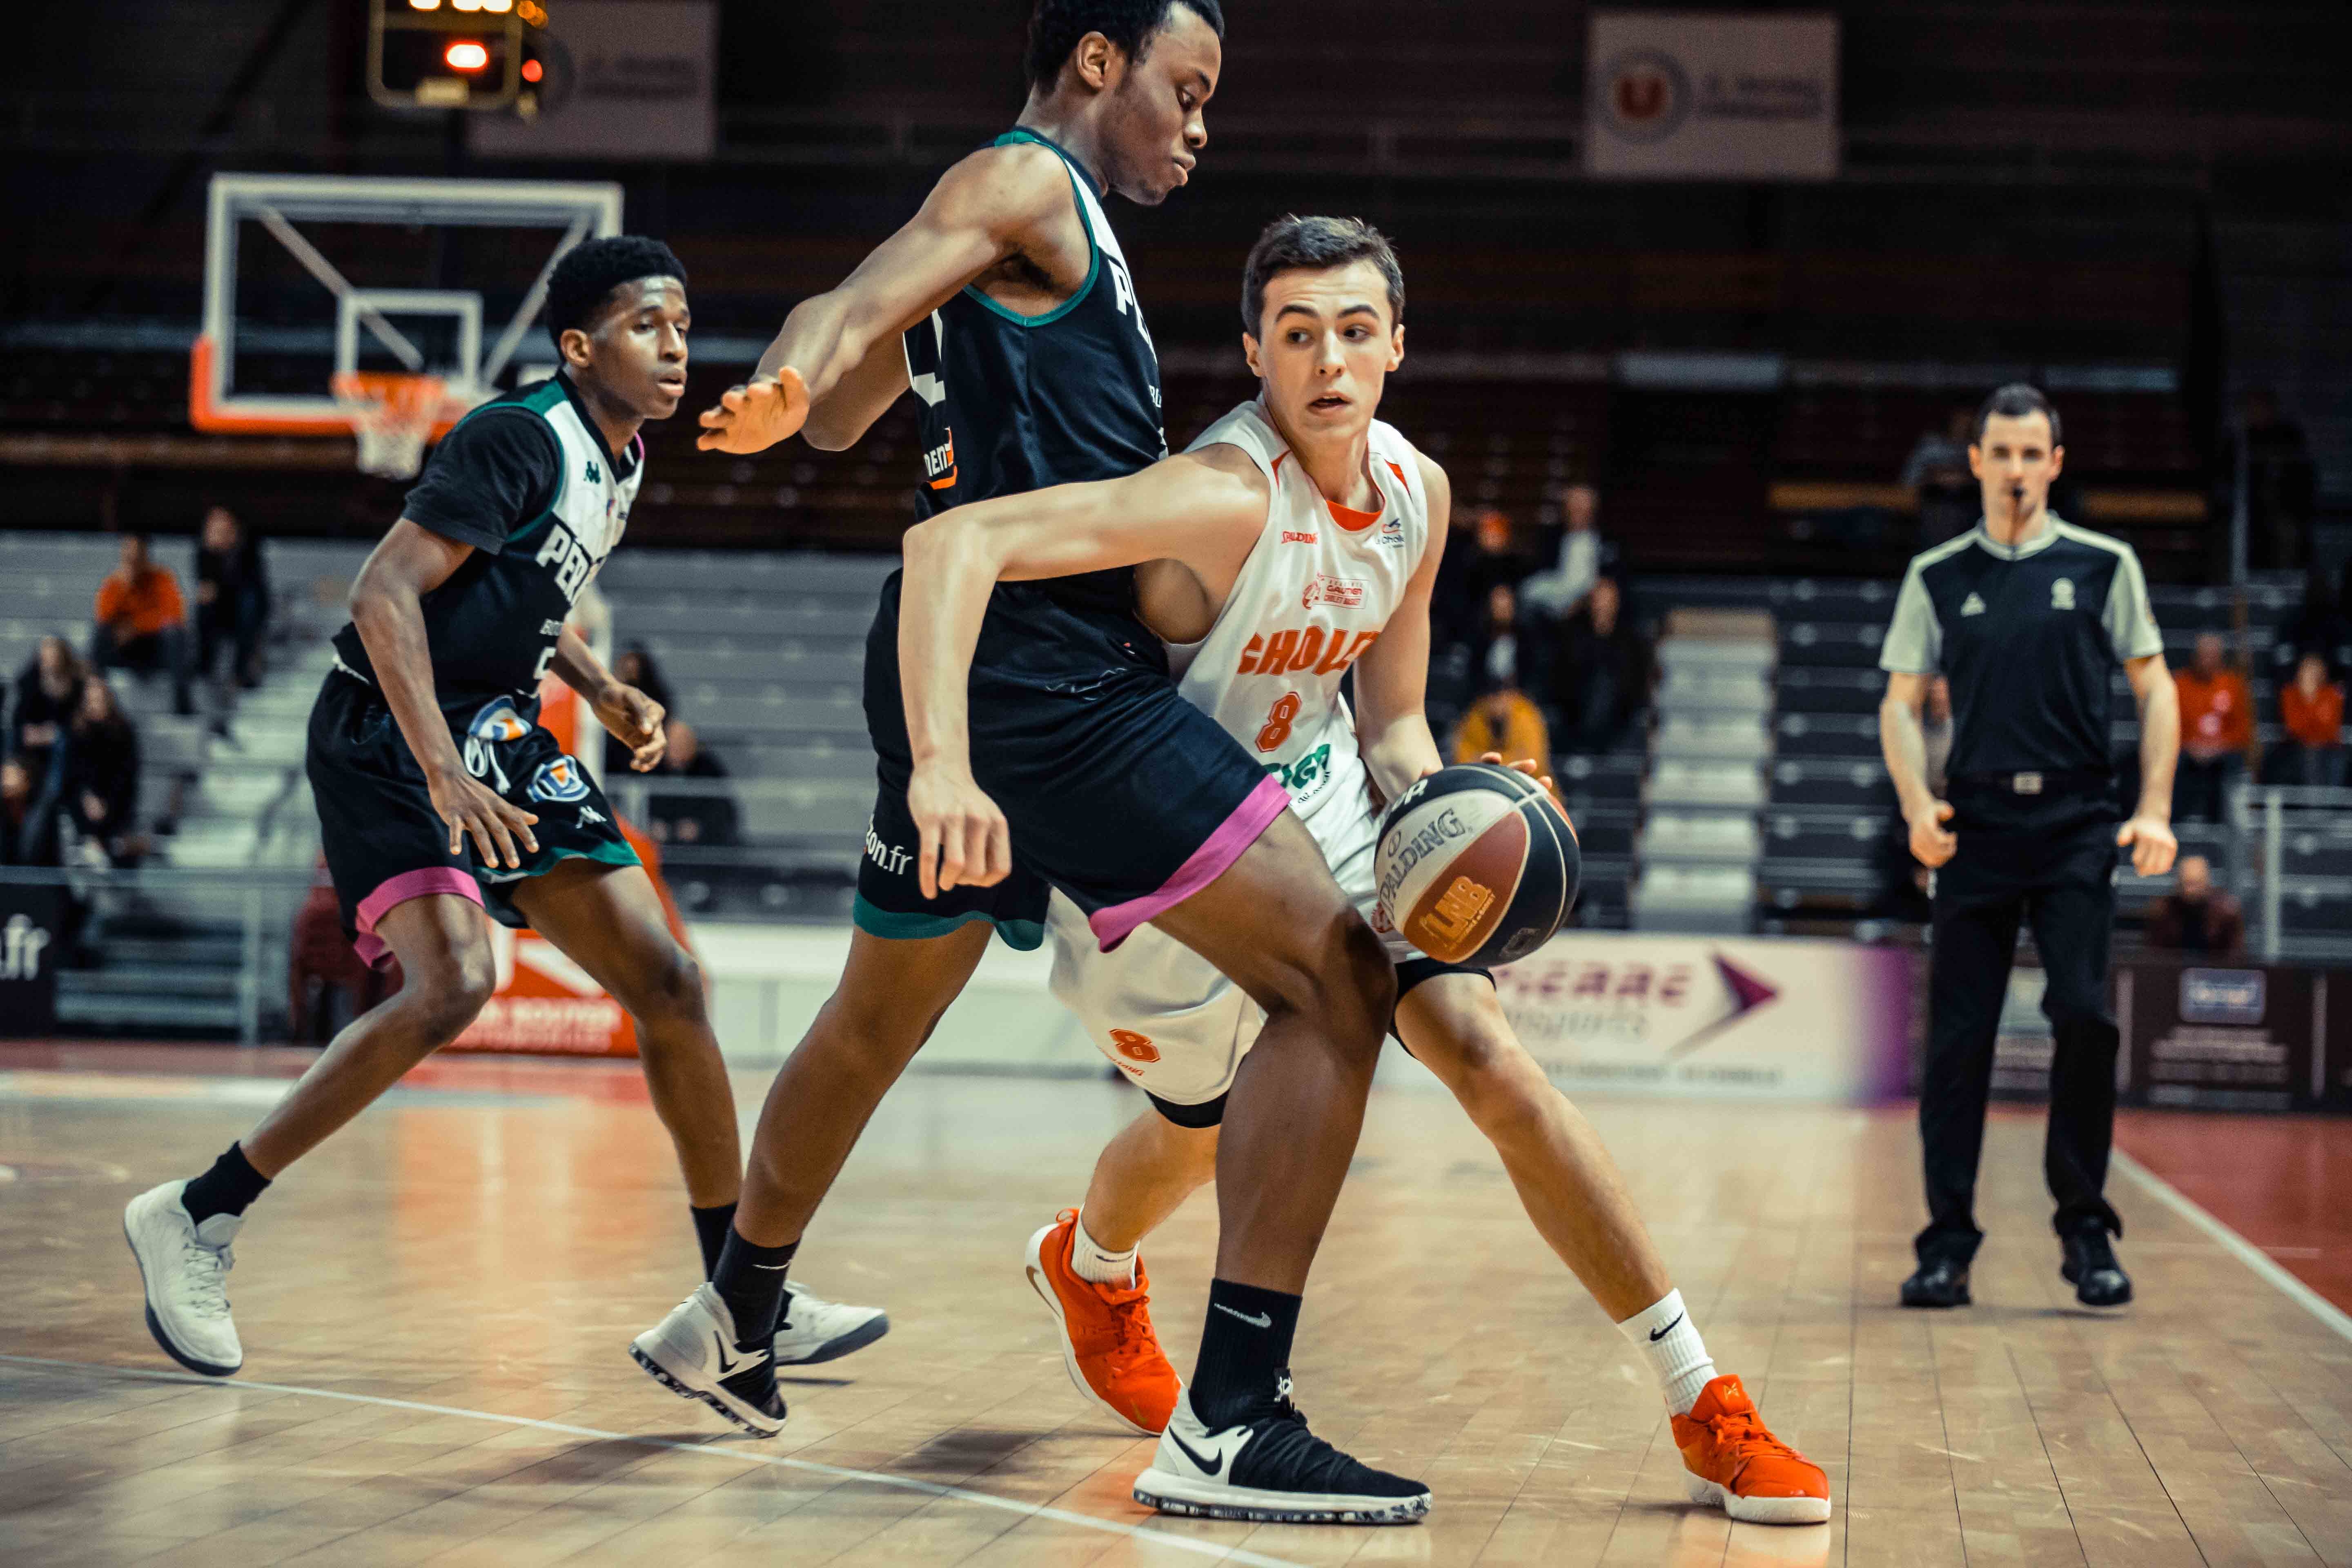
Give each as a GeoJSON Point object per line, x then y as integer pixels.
{"type": "Point", "coordinates": [1270, 1470]}
{"type": "Point", "coordinates": [185, 1266]}
{"type": "Point", "coordinates": [693, 1353]}
{"type": "Point", "coordinates": [816, 1329]}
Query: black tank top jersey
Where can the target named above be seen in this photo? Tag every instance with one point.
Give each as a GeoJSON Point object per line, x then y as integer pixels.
{"type": "Point", "coordinates": [1012, 403]}
{"type": "Point", "coordinates": [528, 482]}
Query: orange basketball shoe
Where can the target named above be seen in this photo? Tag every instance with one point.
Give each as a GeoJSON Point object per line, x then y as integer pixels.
{"type": "Point", "coordinates": [1106, 1339]}
{"type": "Point", "coordinates": [1732, 1459]}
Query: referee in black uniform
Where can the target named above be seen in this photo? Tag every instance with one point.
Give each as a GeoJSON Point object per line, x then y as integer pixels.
{"type": "Point", "coordinates": [2028, 616]}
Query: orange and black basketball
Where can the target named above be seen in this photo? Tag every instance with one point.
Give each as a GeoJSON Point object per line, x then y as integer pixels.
{"type": "Point", "coordinates": [1477, 865]}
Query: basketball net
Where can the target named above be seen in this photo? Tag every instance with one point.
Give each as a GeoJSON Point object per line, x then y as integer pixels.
{"type": "Point", "coordinates": [391, 415]}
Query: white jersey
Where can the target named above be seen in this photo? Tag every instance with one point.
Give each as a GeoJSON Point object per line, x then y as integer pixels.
{"type": "Point", "coordinates": [1314, 594]}
{"type": "Point", "coordinates": [1317, 591]}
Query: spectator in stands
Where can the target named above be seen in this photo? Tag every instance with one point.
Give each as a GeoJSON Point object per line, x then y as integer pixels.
{"type": "Point", "coordinates": [49, 690]}
{"type": "Point", "coordinates": [29, 834]}
{"type": "Point", "coordinates": [1556, 592]}
{"type": "Point", "coordinates": [705, 818]}
{"type": "Point", "coordinates": [102, 775]}
{"type": "Point", "coordinates": [143, 623]}
{"type": "Point", "coordinates": [232, 599]}
{"type": "Point", "coordinates": [2197, 918]}
{"type": "Point", "coordinates": [1467, 579]}
{"type": "Point", "coordinates": [1502, 717]}
{"type": "Point", "coordinates": [1602, 671]}
{"type": "Point", "coordinates": [1936, 474]}
{"type": "Point", "coordinates": [2217, 723]}
{"type": "Point", "coordinates": [633, 665]}
{"type": "Point", "coordinates": [2318, 624]}
{"type": "Point", "coordinates": [2279, 479]}
{"type": "Point", "coordinates": [2311, 709]}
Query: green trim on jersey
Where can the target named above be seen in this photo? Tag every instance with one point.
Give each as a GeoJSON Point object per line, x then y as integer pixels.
{"type": "Point", "coordinates": [1026, 936]}
{"type": "Point", "coordinates": [1093, 247]}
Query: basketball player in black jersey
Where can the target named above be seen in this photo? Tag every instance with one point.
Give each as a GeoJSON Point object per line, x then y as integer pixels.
{"type": "Point", "coordinates": [442, 804]}
{"type": "Point", "coordinates": [1006, 307]}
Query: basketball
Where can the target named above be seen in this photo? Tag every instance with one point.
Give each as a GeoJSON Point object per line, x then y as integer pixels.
{"type": "Point", "coordinates": [1477, 865]}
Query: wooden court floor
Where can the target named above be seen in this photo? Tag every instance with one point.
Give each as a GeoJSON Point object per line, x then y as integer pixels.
{"type": "Point", "coordinates": [435, 1309]}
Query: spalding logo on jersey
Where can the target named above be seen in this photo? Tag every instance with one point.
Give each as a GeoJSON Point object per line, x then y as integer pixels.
{"type": "Point", "coordinates": [559, 781]}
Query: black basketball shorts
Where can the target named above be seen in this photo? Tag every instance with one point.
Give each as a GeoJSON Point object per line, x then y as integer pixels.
{"type": "Point", "coordinates": [385, 845]}
{"type": "Point", "coordinates": [1117, 791]}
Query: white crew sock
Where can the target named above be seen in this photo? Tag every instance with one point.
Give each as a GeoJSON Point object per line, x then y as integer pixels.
{"type": "Point", "coordinates": [1089, 1260]}
{"type": "Point", "coordinates": [1665, 1334]}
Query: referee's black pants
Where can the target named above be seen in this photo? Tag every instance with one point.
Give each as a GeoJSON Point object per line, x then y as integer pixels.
{"type": "Point", "coordinates": [2060, 884]}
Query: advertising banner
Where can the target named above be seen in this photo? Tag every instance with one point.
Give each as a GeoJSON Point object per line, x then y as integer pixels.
{"type": "Point", "coordinates": [1711, 96]}
{"type": "Point", "coordinates": [624, 78]}
{"type": "Point", "coordinates": [29, 951]}
{"type": "Point", "coordinates": [2227, 1037]}
{"type": "Point", "coordinates": [1785, 1019]}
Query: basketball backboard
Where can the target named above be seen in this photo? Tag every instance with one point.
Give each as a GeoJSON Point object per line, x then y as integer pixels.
{"type": "Point", "coordinates": [311, 278]}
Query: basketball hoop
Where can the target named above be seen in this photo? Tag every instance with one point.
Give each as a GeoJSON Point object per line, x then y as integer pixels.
{"type": "Point", "coordinates": [392, 414]}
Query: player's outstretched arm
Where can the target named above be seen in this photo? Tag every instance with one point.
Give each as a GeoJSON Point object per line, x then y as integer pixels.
{"type": "Point", "coordinates": [408, 563]}
{"type": "Point", "coordinates": [999, 201]}
{"type": "Point", "coordinates": [1392, 677]}
{"type": "Point", "coordinates": [1201, 508]}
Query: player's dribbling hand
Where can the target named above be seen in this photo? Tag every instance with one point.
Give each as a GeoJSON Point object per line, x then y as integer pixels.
{"type": "Point", "coordinates": [469, 805]}
{"type": "Point", "coordinates": [1931, 842]}
{"type": "Point", "coordinates": [965, 841]}
{"type": "Point", "coordinates": [2151, 844]}
{"type": "Point", "coordinates": [756, 415]}
{"type": "Point", "coordinates": [636, 720]}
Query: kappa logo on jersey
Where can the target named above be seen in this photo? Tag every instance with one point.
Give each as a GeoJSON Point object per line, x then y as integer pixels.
{"type": "Point", "coordinates": [1972, 605]}
{"type": "Point", "coordinates": [1134, 1047]}
{"type": "Point", "coordinates": [2062, 595]}
{"type": "Point", "coordinates": [559, 781]}
{"type": "Point", "coordinates": [588, 814]}
{"type": "Point", "coordinates": [1292, 536]}
{"type": "Point", "coordinates": [1345, 591]}
{"type": "Point", "coordinates": [595, 475]}
{"type": "Point", "coordinates": [573, 565]}
{"type": "Point", "coordinates": [1319, 649]}
{"type": "Point", "coordinates": [498, 721]}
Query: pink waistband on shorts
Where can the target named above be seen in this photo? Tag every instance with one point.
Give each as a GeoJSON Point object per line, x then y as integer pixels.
{"type": "Point", "coordinates": [1113, 924]}
{"type": "Point", "coordinates": [373, 950]}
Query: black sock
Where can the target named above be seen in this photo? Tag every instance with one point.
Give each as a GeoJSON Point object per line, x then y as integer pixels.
{"type": "Point", "coordinates": [710, 1228]}
{"type": "Point", "coordinates": [1245, 1351]}
{"type": "Point", "coordinates": [226, 1188]}
{"type": "Point", "coordinates": [751, 1280]}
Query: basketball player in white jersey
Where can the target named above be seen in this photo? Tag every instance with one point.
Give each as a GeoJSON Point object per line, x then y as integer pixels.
{"type": "Point", "coordinates": [1297, 539]}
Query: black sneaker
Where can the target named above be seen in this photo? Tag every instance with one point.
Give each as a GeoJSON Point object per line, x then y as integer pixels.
{"type": "Point", "coordinates": [694, 1353]}
{"type": "Point", "coordinates": [2091, 1268]}
{"type": "Point", "coordinates": [1938, 1283]}
{"type": "Point", "coordinates": [1272, 1470]}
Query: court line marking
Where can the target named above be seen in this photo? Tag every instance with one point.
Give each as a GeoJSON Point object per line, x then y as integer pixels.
{"type": "Point", "coordinates": [2236, 1246]}
{"type": "Point", "coordinates": [903, 1483]}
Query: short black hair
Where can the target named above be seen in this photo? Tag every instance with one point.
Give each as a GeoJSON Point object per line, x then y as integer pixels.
{"type": "Point", "coordinates": [1293, 244]}
{"type": "Point", "coordinates": [1057, 26]}
{"type": "Point", "coordinates": [2015, 401]}
{"type": "Point", "coordinates": [584, 279]}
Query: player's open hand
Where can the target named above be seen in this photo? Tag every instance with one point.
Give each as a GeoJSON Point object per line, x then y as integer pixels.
{"type": "Point", "coordinates": [470, 807]}
{"type": "Point", "coordinates": [636, 720]}
{"type": "Point", "coordinates": [2151, 844]}
{"type": "Point", "coordinates": [963, 841]}
{"type": "Point", "coordinates": [756, 415]}
{"type": "Point", "coordinates": [1932, 843]}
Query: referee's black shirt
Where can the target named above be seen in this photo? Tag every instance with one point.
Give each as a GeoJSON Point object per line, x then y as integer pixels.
{"type": "Point", "coordinates": [2030, 636]}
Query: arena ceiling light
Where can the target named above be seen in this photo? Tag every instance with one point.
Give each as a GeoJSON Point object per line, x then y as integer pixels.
{"type": "Point", "coordinates": [466, 55]}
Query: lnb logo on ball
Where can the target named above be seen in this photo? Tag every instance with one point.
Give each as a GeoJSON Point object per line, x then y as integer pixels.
{"type": "Point", "coordinates": [21, 944]}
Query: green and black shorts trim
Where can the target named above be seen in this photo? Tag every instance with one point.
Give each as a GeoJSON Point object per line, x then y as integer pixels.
{"type": "Point", "coordinates": [384, 843]}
